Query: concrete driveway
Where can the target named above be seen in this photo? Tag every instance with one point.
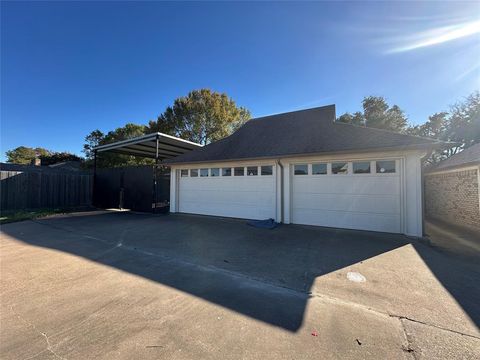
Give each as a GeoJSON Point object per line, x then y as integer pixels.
{"type": "Point", "coordinates": [122, 285]}
{"type": "Point", "coordinates": [458, 240]}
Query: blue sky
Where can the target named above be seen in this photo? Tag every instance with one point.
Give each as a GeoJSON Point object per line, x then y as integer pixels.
{"type": "Point", "coordinates": [68, 68]}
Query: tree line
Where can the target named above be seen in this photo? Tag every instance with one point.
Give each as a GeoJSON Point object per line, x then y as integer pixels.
{"type": "Point", "coordinates": [204, 116]}
{"type": "Point", "coordinates": [459, 124]}
{"type": "Point", "coordinates": [25, 155]}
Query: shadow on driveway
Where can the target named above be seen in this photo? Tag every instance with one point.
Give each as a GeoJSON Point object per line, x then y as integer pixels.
{"type": "Point", "coordinates": [265, 274]}
{"type": "Point", "coordinates": [454, 239]}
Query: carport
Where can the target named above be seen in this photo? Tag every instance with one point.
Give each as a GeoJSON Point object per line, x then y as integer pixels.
{"type": "Point", "coordinates": [156, 146]}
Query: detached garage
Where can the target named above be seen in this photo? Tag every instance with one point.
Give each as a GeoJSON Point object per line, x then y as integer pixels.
{"type": "Point", "coordinates": [304, 168]}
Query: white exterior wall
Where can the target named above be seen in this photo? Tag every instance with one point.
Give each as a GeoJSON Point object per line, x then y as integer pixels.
{"type": "Point", "coordinates": [413, 195]}
{"type": "Point", "coordinates": [173, 190]}
{"type": "Point", "coordinates": [408, 164]}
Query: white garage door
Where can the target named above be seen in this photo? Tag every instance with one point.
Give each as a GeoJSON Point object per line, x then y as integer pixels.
{"type": "Point", "coordinates": [240, 192]}
{"type": "Point", "coordinates": [355, 195]}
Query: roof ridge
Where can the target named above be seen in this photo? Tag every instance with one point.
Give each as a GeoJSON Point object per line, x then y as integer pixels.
{"type": "Point", "coordinates": [291, 112]}
{"type": "Point", "coordinates": [389, 131]}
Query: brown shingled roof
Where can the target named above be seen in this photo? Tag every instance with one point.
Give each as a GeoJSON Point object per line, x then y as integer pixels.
{"type": "Point", "coordinates": [311, 131]}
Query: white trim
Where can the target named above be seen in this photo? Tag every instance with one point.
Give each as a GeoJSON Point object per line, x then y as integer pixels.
{"type": "Point", "coordinates": [173, 190]}
{"type": "Point", "coordinates": [278, 190]}
{"type": "Point", "coordinates": [143, 138]}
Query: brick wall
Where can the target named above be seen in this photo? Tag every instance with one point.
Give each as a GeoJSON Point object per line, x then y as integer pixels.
{"type": "Point", "coordinates": [453, 197]}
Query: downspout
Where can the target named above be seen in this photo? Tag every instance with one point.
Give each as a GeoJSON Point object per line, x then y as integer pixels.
{"type": "Point", "coordinates": [281, 189]}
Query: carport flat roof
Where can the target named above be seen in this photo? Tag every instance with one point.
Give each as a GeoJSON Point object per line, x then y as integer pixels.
{"type": "Point", "coordinates": [146, 146]}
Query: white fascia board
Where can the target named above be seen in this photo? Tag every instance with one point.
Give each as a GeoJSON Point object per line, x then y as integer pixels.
{"type": "Point", "coordinates": [223, 164]}
{"type": "Point", "coordinates": [373, 155]}
{"type": "Point", "coordinates": [162, 135]}
{"type": "Point", "coordinates": [381, 155]}
{"type": "Point", "coordinates": [144, 138]}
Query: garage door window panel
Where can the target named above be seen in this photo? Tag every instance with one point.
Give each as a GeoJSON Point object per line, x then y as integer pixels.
{"type": "Point", "coordinates": [319, 169]}
{"type": "Point", "coordinates": [252, 170]}
{"type": "Point", "coordinates": [386, 167]}
{"type": "Point", "coordinates": [239, 171]}
{"type": "Point", "coordinates": [203, 172]}
{"type": "Point", "coordinates": [340, 168]}
{"type": "Point", "coordinates": [194, 173]}
{"type": "Point", "coordinates": [361, 167]}
{"type": "Point", "coordinates": [184, 173]}
{"type": "Point", "coordinates": [267, 170]}
{"type": "Point", "coordinates": [227, 172]}
{"type": "Point", "coordinates": [301, 169]}
{"type": "Point", "coordinates": [214, 172]}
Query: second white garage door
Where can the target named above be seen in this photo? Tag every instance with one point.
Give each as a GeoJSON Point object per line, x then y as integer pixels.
{"type": "Point", "coordinates": [362, 195]}
{"type": "Point", "coordinates": [240, 192]}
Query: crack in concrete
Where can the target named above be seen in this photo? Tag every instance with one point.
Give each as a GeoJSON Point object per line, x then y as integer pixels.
{"type": "Point", "coordinates": [401, 317]}
{"type": "Point", "coordinates": [408, 348]}
{"type": "Point", "coordinates": [45, 336]}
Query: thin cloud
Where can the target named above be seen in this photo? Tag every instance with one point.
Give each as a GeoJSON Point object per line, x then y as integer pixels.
{"type": "Point", "coordinates": [472, 69]}
{"type": "Point", "coordinates": [438, 36]}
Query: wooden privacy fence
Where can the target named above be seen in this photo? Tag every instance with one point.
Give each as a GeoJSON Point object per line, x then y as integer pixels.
{"type": "Point", "coordinates": [34, 188]}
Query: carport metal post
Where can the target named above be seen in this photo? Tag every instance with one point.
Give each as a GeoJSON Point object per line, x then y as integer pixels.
{"type": "Point", "coordinates": [94, 175]}
{"type": "Point", "coordinates": [154, 190]}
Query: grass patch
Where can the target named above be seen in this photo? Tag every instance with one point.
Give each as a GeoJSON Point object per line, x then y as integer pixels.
{"type": "Point", "coordinates": [14, 216]}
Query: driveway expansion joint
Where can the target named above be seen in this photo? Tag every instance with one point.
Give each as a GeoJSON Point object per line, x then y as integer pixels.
{"type": "Point", "coordinates": [401, 317]}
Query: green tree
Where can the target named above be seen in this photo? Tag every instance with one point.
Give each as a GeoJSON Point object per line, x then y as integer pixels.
{"type": "Point", "coordinates": [91, 140]}
{"type": "Point", "coordinates": [25, 155]}
{"type": "Point", "coordinates": [57, 157]}
{"type": "Point", "coordinates": [461, 125]}
{"type": "Point", "coordinates": [377, 114]}
{"type": "Point", "coordinates": [356, 118]}
{"type": "Point", "coordinates": [202, 116]}
{"type": "Point", "coordinates": [435, 127]}
{"type": "Point", "coordinates": [464, 122]}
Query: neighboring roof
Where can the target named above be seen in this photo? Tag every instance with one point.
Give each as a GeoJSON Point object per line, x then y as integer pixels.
{"type": "Point", "coordinates": [469, 156]}
{"type": "Point", "coordinates": [68, 165]}
{"type": "Point", "coordinates": [145, 146]}
{"type": "Point", "coordinates": [311, 131]}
